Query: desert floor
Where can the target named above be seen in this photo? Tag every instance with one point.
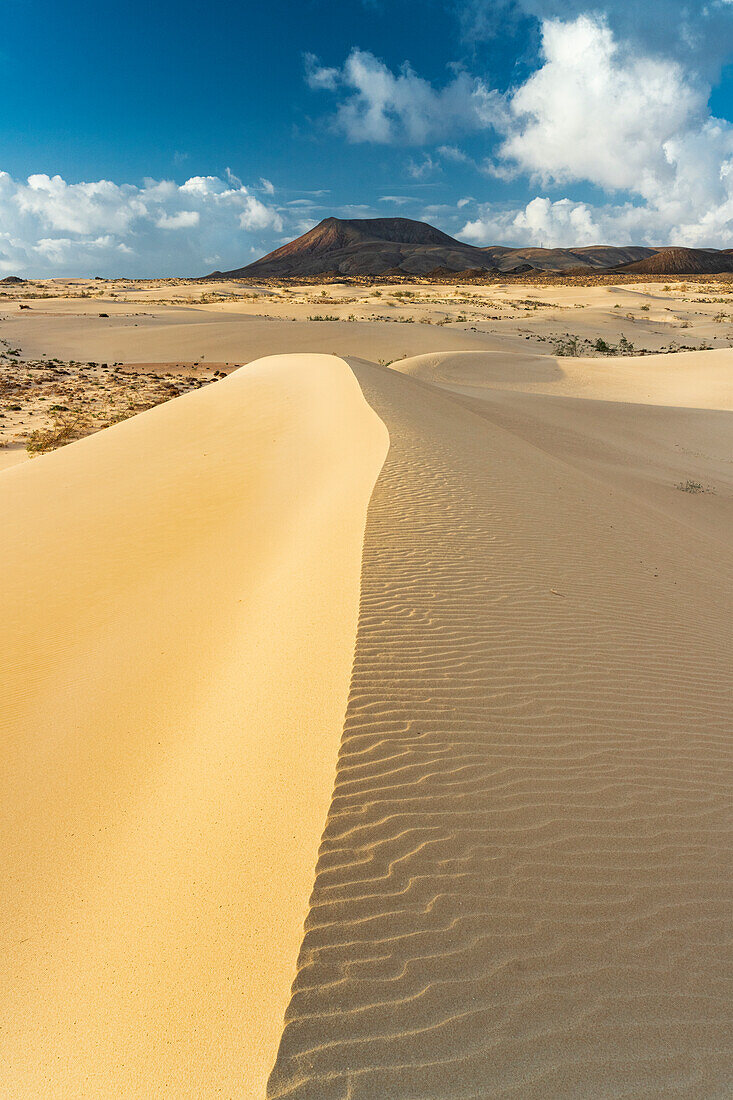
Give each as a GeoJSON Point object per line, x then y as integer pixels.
{"type": "Point", "coordinates": [414, 631]}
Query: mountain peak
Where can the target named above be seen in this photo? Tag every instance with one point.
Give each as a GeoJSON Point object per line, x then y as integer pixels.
{"type": "Point", "coordinates": [388, 246]}
{"type": "Point", "coordinates": [368, 246]}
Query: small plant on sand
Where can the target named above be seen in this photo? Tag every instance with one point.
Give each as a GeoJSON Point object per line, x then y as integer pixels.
{"type": "Point", "coordinates": [690, 487]}
{"type": "Point", "coordinates": [566, 345]}
{"type": "Point", "coordinates": [67, 426]}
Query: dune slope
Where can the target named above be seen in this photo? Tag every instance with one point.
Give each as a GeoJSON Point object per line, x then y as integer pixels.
{"type": "Point", "coordinates": [179, 597]}
{"type": "Point", "coordinates": [698, 380]}
{"type": "Point", "coordinates": [523, 888]}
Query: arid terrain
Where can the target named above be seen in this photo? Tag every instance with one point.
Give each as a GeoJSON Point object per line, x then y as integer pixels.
{"type": "Point", "coordinates": [77, 355]}
{"type": "Point", "coordinates": [367, 695]}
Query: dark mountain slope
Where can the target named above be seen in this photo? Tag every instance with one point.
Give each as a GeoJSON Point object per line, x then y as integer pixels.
{"type": "Point", "coordinates": [681, 261]}
{"type": "Point", "coordinates": [400, 246]}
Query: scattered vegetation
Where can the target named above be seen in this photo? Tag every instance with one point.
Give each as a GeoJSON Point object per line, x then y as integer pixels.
{"type": "Point", "coordinates": [66, 427]}
{"type": "Point", "coordinates": [569, 344]}
{"type": "Point", "coordinates": [692, 487]}
{"type": "Point", "coordinates": [45, 404]}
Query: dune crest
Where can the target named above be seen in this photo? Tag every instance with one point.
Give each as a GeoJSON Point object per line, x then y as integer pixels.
{"type": "Point", "coordinates": [173, 699]}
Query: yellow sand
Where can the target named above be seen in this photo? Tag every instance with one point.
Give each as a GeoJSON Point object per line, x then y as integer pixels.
{"type": "Point", "coordinates": [523, 888]}
{"type": "Point", "coordinates": [696, 380]}
{"type": "Point", "coordinates": [179, 604]}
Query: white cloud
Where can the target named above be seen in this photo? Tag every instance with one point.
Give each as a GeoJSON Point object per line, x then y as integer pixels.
{"type": "Point", "coordinates": [595, 112]}
{"type": "Point", "coordinates": [381, 106]}
{"type": "Point", "coordinates": [74, 208]}
{"type": "Point", "coordinates": [51, 227]}
{"type": "Point", "coordinates": [599, 112]}
{"type": "Point", "coordinates": [551, 223]}
{"type": "Point", "coordinates": [452, 152]}
{"type": "Point", "coordinates": [318, 76]}
{"type": "Point", "coordinates": [256, 215]}
{"type": "Point", "coordinates": [184, 219]}
{"type": "Point", "coordinates": [611, 112]}
{"type": "Point", "coordinates": [419, 169]}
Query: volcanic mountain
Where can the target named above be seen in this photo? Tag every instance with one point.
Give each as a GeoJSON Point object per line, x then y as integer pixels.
{"type": "Point", "coordinates": [396, 246]}
{"type": "Point", "coordinates": [370, 246]}
{"type": "Point", "coordinates": [682, 261]}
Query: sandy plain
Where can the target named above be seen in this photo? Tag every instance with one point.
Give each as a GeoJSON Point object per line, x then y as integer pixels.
{"type": "Point", "coordinates": [418, 629]}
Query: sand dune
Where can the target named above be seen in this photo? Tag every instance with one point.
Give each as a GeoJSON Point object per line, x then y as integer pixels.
{"type": "Point", "coordinates": [219, 335]}
{"type": "Point", "coordinates": [524, 883]}
{"type": "Point", "coordinates": [696, 380]}
{"type": "Point", "coordinates": [643, 443]}
{"type": "Point", "coordinates": [179, 599]}
{"type": "Point", "coordinates": [480, 557]}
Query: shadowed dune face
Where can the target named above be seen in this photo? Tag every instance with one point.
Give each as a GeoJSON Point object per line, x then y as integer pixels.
{"type": "Point", "coordinates": [639, 443]}
{"type": "Point", "coordinates": [181, 592]}
{"type": "Point", "coordinates": [524, 881]}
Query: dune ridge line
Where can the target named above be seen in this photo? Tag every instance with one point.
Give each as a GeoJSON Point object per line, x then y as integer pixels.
{"type": "Point", "coordinates": [181, 591]}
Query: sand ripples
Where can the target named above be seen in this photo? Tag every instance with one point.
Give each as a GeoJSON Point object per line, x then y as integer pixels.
{"type": "Point", "coordinates": [522, 888]}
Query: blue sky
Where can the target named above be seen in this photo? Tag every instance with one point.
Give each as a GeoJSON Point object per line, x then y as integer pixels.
{"type": "Point", "coordinates": [172, 138]}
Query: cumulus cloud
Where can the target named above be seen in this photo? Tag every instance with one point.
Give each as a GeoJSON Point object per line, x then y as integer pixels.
{"type": "Point", "coordinates": [625, 122]}
{"type": "Point", "coordinates": [50, 227]}
{"type": "Point", "coordinates": [184, 219]}
{"type": "Point", "coordinates": [558, 223]}
{"type": "Point", "coordinates": [600, 108]}
{"type": "Point", "coordinates": [595, 112]}
{"type": "Point", "coordinates": [381, 106]}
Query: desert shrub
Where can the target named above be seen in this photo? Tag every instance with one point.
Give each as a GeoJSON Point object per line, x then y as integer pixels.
{"type": "Point", "coordinates": [689, 486]}
{"type": "Point", "coordinates": [68, 426]}
{"type": "Point", "coordinates": [566, 345]}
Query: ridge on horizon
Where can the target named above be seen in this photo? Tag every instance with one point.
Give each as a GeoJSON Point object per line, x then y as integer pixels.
{"type": "Point", "coordinates": [403, 246]}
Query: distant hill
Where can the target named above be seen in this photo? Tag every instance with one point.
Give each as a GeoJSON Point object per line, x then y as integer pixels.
{"type": "Point", "coordinates": [563, 259]}
{"type": "Point", "coordinates": [400, 246]}
{"type": "Point", "coordinates": [681, 261]}
{"type": "Point", "coordinates": [369, 246]}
